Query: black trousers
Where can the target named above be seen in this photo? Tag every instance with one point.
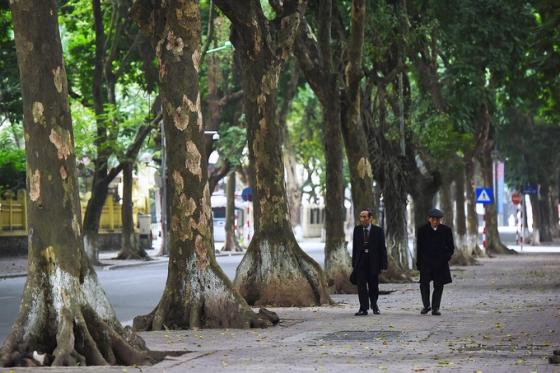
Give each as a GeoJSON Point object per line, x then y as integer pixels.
{"type": "Point", "coordinates": [368, 285]}
{"type": "Point", "coordinates": [436, 296]}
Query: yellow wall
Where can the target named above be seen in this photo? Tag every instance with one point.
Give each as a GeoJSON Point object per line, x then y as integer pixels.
{"type": "Point", "coordinates": [13, 215]}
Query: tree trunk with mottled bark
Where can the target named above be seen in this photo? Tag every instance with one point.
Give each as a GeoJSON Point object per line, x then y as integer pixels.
{"type": "Point", "coordinates": [494, 244]}
{"type": "Point", "coordinates": [361, 174]}
{"type": "Point", "coordinates": [315, 56]}
{"type": "Point", "coordinates": [130, 247]}
{"type": "Point", "coordinates": [274, 270]}
{"type": "Point", "coordinates": [290, 78]}
{"type": "Point", "coordinates": [462, 255]}
{"type": "Point", "coordinates": [232, 243]}
{"type": "Point", "coordinates": [554, 215]}
{"type": "Point", "coordinates": [64, 312]}
{"type": "Point", "coordinates": [197, 292]}
{"type": "Point", "coordinates": [445, 200]}
{"type": "Point", "coordinates": [537, 219]}
{"type": "Point", "coordinates": [544, 203]}
{"type": "Point", "coordinates": [338, 264]}
{"type": "Point", "coordinates": [472, 217]}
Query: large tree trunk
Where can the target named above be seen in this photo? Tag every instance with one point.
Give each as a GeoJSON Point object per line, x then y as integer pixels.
{"type": "Point", "coordinates": [274, 270]}
{"type": "Point", "coordinates": [494, 244]}
{"type": "Point", "coordinates": [361, 174]}
{"type": "Point", "coordinates": [554, 202]}
{"type": "Point", "coordinates": [472, 217]}
{"type": "Point", "coordinates": [445, 198]}
{"type": "Point", "coordinates": [197, 292]}
{"type": "Point", "coordinates": [130, 247]}
{"type": "Point", "coordinates": [315, 57]}
{"type": "Point", "coordinates": [544, 202]}
{"type": "Point", "coordinates": [423, 197]}
{"type": "Point", "coordinates": [463, 254]}
{"type": "Point", "coordinates": [232, 243]}
{"type": "Point", "coordinates": [396, 235]}
{"type": "Point", "coordinates": [92, 217]}
{"type": "Point", "coordinates": [338, 264]}
{"type": "Point", "coordinates": [64, 312]}
{"type": "Point", "coordinates": [293, 185]}
{"type": "Point", "coordinates": [537, 217]}
{"type": "Point", "coordinates": [100, 184]}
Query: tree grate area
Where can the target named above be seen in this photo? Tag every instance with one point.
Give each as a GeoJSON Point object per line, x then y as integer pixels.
{"type": "Point", "coordinates": [363, 336]}
{"type": "Point", "coordinates": [501, 348]}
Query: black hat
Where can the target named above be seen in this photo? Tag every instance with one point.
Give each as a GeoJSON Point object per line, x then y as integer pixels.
{"type": "Point", "coordinates": [435, 213]}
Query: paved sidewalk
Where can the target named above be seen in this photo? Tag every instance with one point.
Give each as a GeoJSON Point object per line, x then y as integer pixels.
{"type": "Point", "coordinates": [500, 316]}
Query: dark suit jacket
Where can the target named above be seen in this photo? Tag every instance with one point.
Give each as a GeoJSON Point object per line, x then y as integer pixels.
{"type": "Point", "coordinates": [376, 247]}
{"type": "Point", "coordinates": [434, 250]}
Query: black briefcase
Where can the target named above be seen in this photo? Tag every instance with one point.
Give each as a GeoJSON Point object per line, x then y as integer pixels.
{"type": "Point", "coordinates": [353, 278]}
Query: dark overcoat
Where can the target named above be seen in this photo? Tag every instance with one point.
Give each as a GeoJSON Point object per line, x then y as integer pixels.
{"type": "Point", "coordinates": [434, 250]}
{"type": "Point", "coordinates": [377, 258]}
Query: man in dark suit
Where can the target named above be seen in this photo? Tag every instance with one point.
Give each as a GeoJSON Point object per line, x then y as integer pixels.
{"type": "Point", "coordinates": [434, 250]}
{"type": "Point", "coordinates": [369, 257]}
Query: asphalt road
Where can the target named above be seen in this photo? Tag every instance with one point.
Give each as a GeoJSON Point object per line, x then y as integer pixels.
{"type": "Point", "coordinates": [132, 291]}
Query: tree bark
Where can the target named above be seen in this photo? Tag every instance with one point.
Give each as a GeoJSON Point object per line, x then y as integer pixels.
{"type": "Point", "coordinates": [232, 243]}
{"type": "Point", "coordinates": [554, 202]}
{"type": "Point", "coordinates": [537, 219]}
{"type": "Point", "coordinates": [315, 56]}
{"type": "Point", "coordinates": [130, 247]}
{"type": "Point", "coordinates": [274, 270]}
{"type": "Point", "coordinates": [294, 189]}
{"type": "Point", "coordinates": [544, 203]}
{"type": "Point", "coordinates": [361, 174]}
{"type": "Point", "coordinates": [100, 185]}
{"type": "Point", "coordinates": [462, 255]}
{"type": "Point", "coordinates": [197, 292]}
{"type": "Point", "coordinates": [494, 244]}
{"type": "Point", "coordinates": [472, 217]}
{"type": "Point", "coordinates": [338, 263]}
{"type": "Point", "coordinates": [64, 312]}
{"type": "Point", "coordinates": [446, 201]}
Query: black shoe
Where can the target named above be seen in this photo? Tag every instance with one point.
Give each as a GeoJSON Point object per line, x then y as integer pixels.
{"type": "Point", "coordinates": [361, 313]}
{"type": "Point", "coordinates": [375, 310]}
{"type": "Point", "coordinates": [436, 312]}
{"type": "Point", "coordinates": [425, 310]}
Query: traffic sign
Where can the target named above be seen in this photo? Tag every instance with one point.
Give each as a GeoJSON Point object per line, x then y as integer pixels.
{"type": "Point", "coordinates": [247, 194]}
{"type": "Point", "coordinates": [530, 189]}
{"type": "Point", "coordinates": [516, 198]}
{"type": "Point", "coordinates": [484, 196]}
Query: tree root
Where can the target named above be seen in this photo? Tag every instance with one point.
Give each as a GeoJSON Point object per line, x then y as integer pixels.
{"type": "Point", "coordinates": [339, 283]}
{"type": "Point", "coordinates": [461, 258]}
{"type": "Point", "coordinates": [478, 252]}
{"type": "Point", "coordinates": [82, 338]}
{"type": "Point", "coordinates": [394, 273]}
{"type": "Point", "coordinates": [204, 299]}
{"type": "Point", "coordinates": [278, 273]}
{"type": "Point", "coordinates": [135, 256]}
{"type": "Point", "coordinates": [498, 248]}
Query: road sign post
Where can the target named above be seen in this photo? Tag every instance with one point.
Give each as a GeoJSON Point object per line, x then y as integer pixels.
{"type": "Point", "coordinates": [484, 196]}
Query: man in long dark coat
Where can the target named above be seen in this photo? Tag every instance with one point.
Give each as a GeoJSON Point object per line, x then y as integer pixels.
{"type": "Point", "coordinates": [369, 257]}
{"type": "Point", "coordinates": [434, 250]}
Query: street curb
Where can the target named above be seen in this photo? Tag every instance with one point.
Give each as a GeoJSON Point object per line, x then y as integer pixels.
{"type": "Point", "coordinates": [233, 253]}
{"type": "Point", "coordinates": [13, 275]}
{"type": "Point", "coordinates": [111, 267]}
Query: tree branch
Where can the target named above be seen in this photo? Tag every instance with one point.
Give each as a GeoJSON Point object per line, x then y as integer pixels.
{"type": "Point", "coordinates": [134, 148]}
